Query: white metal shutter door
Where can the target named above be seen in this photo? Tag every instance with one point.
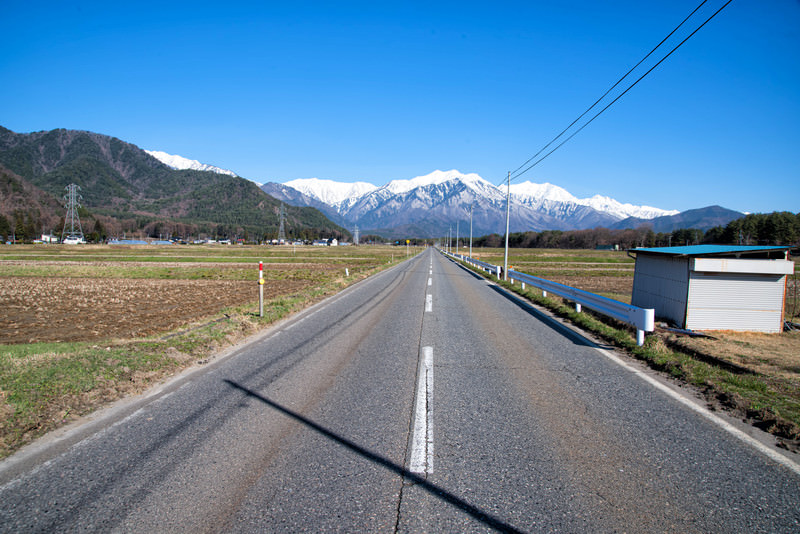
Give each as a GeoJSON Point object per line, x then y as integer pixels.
{"type": "Point", "coordinates": [726, 301]}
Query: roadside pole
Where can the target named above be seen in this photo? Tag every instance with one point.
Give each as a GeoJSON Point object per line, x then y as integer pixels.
{"type": "Point", "coordinates": [508, 217]}
{"type": "Point", "coordinates": [261, 289]}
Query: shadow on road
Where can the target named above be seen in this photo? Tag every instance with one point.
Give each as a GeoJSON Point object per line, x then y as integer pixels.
{"type": "Point", "coordinates": [431, 488]}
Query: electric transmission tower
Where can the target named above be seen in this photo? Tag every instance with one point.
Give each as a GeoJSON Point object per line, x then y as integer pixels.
{"type": "Point", "coordinates": [282, 229]}
{"type": "Point", "coordinates": [72, 221]}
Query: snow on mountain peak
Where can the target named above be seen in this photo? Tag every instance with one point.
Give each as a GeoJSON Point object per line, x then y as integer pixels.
{"type": "Point", "coordinates": [355, 199]}
{"type": "Point", "coordinates": [435, 178]}
{"type": "Point", "coordinates": [537, 194]}
{"type": "Point", "coordinates": [181, 163]}
{"type": "Point", "coordinates": [541, 192]}
{"type": "Point", "coordinates": [614, 207]}
{"type": "Point", "coordinates": [331, 192]}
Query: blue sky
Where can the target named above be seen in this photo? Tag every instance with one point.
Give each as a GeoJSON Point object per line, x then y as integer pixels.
{"type": "Point", "coordinates": [375, 91]}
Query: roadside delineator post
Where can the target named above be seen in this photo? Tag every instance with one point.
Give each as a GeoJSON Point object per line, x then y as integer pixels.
{"type": "Point", "coordinates": [261, 289]}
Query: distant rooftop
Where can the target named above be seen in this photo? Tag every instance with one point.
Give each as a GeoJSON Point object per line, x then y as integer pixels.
{"type": "Point", "coordinates": [712, 250]}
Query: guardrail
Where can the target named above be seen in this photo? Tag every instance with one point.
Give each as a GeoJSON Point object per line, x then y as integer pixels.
{"type": "Point", "coordinates": [488, 267]}
{"type": "Point", "coordinates": [643, 319]}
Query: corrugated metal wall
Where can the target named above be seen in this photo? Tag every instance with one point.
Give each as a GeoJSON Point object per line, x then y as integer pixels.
{"type": "Point", "coordinates": [726, 301]}
{"type": "Point", "coordinates": [662, 283]}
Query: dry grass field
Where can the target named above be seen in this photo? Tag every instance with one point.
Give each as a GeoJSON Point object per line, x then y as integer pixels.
{"type": "Point", "coordinates": [50, 294]}
{"type": "Point", "coordinates": [81, 326]}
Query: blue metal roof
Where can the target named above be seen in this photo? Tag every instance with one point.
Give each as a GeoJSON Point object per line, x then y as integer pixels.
{"type": "Point", "coordinates": [703, 250]}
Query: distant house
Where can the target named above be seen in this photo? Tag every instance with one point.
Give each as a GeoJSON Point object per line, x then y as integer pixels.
{"type": "Point", "coordinates": [320, 243]}
{"type": "Point", "coordinates": [714, 287]}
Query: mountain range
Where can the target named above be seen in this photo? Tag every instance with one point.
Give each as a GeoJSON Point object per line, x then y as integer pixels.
{"type": "Point", "coordinates": [129, 190]}
{"type": "Point", "coordinates": [427, 206]}
{"type": "Point", "coordinates": [132, 189]}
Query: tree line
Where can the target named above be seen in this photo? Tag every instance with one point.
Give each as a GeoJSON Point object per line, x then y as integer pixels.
{"type": "Point", "coordinates": [777, 228]}
{"type": "Point", "coordinates": [26, 226]}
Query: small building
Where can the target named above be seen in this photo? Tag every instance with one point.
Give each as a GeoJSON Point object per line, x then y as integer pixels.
{"type": "Point", "coordinates": [714, 287]}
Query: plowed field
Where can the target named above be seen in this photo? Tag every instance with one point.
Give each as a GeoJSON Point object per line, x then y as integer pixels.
{"type": "Point", "coordinates": [81, 309]}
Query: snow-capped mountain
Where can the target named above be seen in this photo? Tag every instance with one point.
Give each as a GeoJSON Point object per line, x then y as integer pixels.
{"type": "Point", "coordinates": [545, 196]}
{"type": "Point", "coordinates": [332, 193]}
{"type": "Point", "coordinates": [429, 204]}
{"type": "Point", "coordinates": [609, 205]}
{"type": "Point", "coordinates": [181, 163]}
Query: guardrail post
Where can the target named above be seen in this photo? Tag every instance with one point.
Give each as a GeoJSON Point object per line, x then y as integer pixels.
{"type": "Point", "coordinates": [647, 322]}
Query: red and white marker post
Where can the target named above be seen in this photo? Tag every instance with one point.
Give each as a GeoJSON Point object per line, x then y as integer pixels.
{"type": "Point", "coordinates": [261, 289]}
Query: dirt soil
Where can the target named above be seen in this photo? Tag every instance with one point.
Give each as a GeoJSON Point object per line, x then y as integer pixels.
{"type": "Point", "coordinates": [80, 309]}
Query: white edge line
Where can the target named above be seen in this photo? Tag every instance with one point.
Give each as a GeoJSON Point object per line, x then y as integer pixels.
{"type": "Point", "coordinates": [724, 425]}
{"type": "Point", "coordinates": [41, 446]}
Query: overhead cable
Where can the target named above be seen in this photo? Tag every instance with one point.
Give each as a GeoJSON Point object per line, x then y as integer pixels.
{"type": "Point", "coordinates": [517, 173]}
{"type": "Point", "coordinates": [610, 89]}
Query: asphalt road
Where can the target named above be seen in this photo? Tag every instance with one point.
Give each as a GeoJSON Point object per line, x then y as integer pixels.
{"type": "Point", "coordinates": [423, 399]}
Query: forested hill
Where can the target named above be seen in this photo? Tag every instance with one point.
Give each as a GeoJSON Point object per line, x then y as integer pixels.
{"type": "Point", "coordinates": [123, 185]}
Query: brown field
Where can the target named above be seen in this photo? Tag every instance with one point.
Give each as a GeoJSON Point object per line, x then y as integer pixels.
{"type": "Point", "coordinates": [58, 294]}
{"type": "Point", "coordinates": [84, 326]}
{"type": "Point", "coordinates": [86, 309]}
{"type": "Point", "coordinates": [618, 287]}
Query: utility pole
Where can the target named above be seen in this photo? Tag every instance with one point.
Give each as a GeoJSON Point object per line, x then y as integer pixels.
{"type": "Point", "coordinates": [457, 223]}
{"type": "Point", "coordinates": [508, 217]}
{"type": "Point", "coordinates": [450, 240]}
{"type": "Point", "coordinates": [470, 230]}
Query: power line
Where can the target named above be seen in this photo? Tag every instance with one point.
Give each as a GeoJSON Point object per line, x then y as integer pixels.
{"type": "Point", "coordinates": [610, 89]}
{"type": "Point", "coordinates": [517, 173]}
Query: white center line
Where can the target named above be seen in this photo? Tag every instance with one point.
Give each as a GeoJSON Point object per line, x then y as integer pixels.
{"type": "Point", "coordinates": [430, 281]}
{"type": "Point", "coordinates": [428, 302]}
{"type": "Point", "coordinates": [421, 459]}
